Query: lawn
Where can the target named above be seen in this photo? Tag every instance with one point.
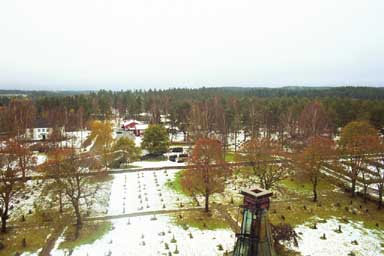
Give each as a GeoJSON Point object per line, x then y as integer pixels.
{"type": "Point", "coordinates": [293, 204]}
{"type": "Point", "coordinates": [229, 156]}
{"type": "Point", "coordinates": [89, 233]}
{"type": "Point", "coordinates": [297, 206]}
{"type": "Point", "coordinates": [304, 187]}
{"type": "Point", "coordinates": [34, 228]}
{"type": "Point", "coordinates": [35, 238]}
{"type": "Point", "coordinates": [155, 159]}
{"type": "Point", "coordinates": [175, 183]}
{"type": "Point", "coordinates": [200, 220]}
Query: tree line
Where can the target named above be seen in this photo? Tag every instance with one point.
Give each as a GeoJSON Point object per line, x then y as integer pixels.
{"type": "Point", "coordinates": [266, 105]}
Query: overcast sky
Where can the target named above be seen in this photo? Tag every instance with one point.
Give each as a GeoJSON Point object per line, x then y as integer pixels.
{"type": "Point", "coordinates": [129, 44]}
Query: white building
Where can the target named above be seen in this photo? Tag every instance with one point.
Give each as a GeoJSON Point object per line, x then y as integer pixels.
{"type": "Point", "coordinates": [41, 131]}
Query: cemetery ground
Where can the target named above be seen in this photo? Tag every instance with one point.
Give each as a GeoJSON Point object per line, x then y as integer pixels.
{"type": "Point", "coordinates": [336, 218]}
{"type": "Point", "coordinates": [132, 208]}
{"type": "Point", "coordinates": [361, 223]}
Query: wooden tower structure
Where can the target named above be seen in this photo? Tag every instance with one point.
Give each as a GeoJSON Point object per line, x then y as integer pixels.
{"type": "Point", "coordinates": [255, 238]}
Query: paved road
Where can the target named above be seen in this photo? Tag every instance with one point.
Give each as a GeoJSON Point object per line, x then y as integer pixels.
{"type": "Point", "coordinates": [144, 213]}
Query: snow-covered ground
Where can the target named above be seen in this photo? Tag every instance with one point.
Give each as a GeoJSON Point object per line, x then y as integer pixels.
{"type": "Point", "coordinates": [346, 180]}
{"type": "Point", "coordinates": [40, 158]}
{"type": "Point", "coordinates": [33, 196]}
{"type": "Point", "coordinates": [144, 191]}
{"type": "Point", "coordinates": [75, 139]}
{"type": "Point", "coordinates": [24, 202]}
{"type": "Point", "coordinates": [369, 242]}
{"type": "Point", "coordinates": [177, 137]}
{"type": "Point", "coordinates": [145, 236]}
{"type": "Point", "coordinates": [147, 191]}
{"type": "Point", "coordinates": [138, 141]}
{"type": "Point", "coordinates": [155, 164]}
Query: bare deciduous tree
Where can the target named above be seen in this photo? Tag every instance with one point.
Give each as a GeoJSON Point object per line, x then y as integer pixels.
{"type": "Point", "coordinates": [72, 178]}
{"type": "Point", "coordinates": [357, 142]}
{"type": "Point", "coordinates": [21, 115]}
{"type": "Point", "coordinates": [313, 120]}
{"type": "Point", "coordinates": [313, 158]}
{"type": "Point", "coordinates": [206, 171]}
{"type": "Point", "coordinates": [263, 154]}
{"type": "Point", "coordinates": [11, 183]}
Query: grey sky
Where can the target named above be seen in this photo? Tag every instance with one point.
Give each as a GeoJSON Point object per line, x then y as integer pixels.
{"type": "Point", "coordinates": [127, 44]}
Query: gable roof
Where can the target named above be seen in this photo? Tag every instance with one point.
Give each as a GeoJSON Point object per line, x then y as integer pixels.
{"type": "Point", "coordinates": [41, 123]}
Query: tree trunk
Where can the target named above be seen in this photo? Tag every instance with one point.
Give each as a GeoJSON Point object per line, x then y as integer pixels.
{"type": "Point", "coordinates": [3, 224]}
{"type": "Point", "coordinates": [381, 188]}
{"type": "Point", "coordinates": [235, 141]}
{"type": "Point", "coordinates": [266, 183]}
{"type": "Point", "coordinates": [224, 146]}
{"type": "Point", "coordinates": [79, 222]}
{"type": "Point", "coordinates": [4, 218]}
{"type": "Point", "coordinates": [206, 208]}
{"type": "Point", "coordinates": [263, 183]}
{"type": "Point", "coordinates": [315, 190]}
{"type": "Point", "coordinates": [22, 168]}
{"type": "Point", "coordinates": [353, 188]}
{"type": "Point", "coordinates": [365, 192]}
{"type": "Point", "coordinates": [61, 202]}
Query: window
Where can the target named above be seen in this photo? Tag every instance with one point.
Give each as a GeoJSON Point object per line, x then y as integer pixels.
{"type": "Point", "coordinates": [247, 222]}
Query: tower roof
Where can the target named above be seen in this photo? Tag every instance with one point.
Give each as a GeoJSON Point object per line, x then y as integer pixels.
{"type": "Point", "coordinates": [257, 193]}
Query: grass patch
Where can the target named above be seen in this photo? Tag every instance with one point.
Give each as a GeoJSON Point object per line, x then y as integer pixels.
{"type": "Point", "coordinates": [35, 228]}
{"type": "Point", "coordinates": [175, 184]}
{"type": "Point", "coordinates": [102, 177]}
{"type": "Point", "coordinates": [297, 206]}
{"type": "Point", "coordinates": [89, 233]}
{"type": "Point", "coordinates": [200, 220]}
{"type": "Point", "coordinates": [305, 187]}
{"type": "Point", "coordinates": [129, 166]}
{"type": "Point", "coordinates": [229, 156]}
{"type": "Point", "coordinates": [35, 238]}
{"type": "Point", "coordinates": [155, 159]}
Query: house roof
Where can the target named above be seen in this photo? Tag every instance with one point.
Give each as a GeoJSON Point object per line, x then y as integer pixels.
{"type": "Point", "coordinates": [133, 124]}
{"type": "Point", "coordinates": [129, 125]}
{"type": "Point", "coordinates": [41, 123]}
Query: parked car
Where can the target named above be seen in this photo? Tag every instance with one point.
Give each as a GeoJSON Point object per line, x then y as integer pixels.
{"type": "Point", "coordinates": [172, 158]}
{"type": "Point", "coordinates": [177, 150]}
{"type": "Point", "coordinates": [182, 158]}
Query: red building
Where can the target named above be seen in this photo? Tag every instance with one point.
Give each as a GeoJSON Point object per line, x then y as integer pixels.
{"type": "Point", "coordinates": [136, 127]}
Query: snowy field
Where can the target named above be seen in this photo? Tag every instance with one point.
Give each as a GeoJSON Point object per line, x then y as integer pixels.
{"type": "Point", "coordinates": [369, 242]}
{"type": "Point", "coordinates": [33, 196]}
{"type": "Point", "coordinates": [145, 236]}
{"type": "Point", "coordinates": [75, 139]}
{"type": "Point", "coordinates": [24, 202]}
{"type": "Point", "coordinates": [153, 164]}
{"type": "Point", "coordinates": [137, 192]}
{"type": "Point", "coordinates": [144, 191]}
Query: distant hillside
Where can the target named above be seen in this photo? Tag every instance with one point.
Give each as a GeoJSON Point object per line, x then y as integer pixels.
{"type": "Point", "coordinates": [291, 91]}
{"type": "Point", "coordinates": [311, 92]}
